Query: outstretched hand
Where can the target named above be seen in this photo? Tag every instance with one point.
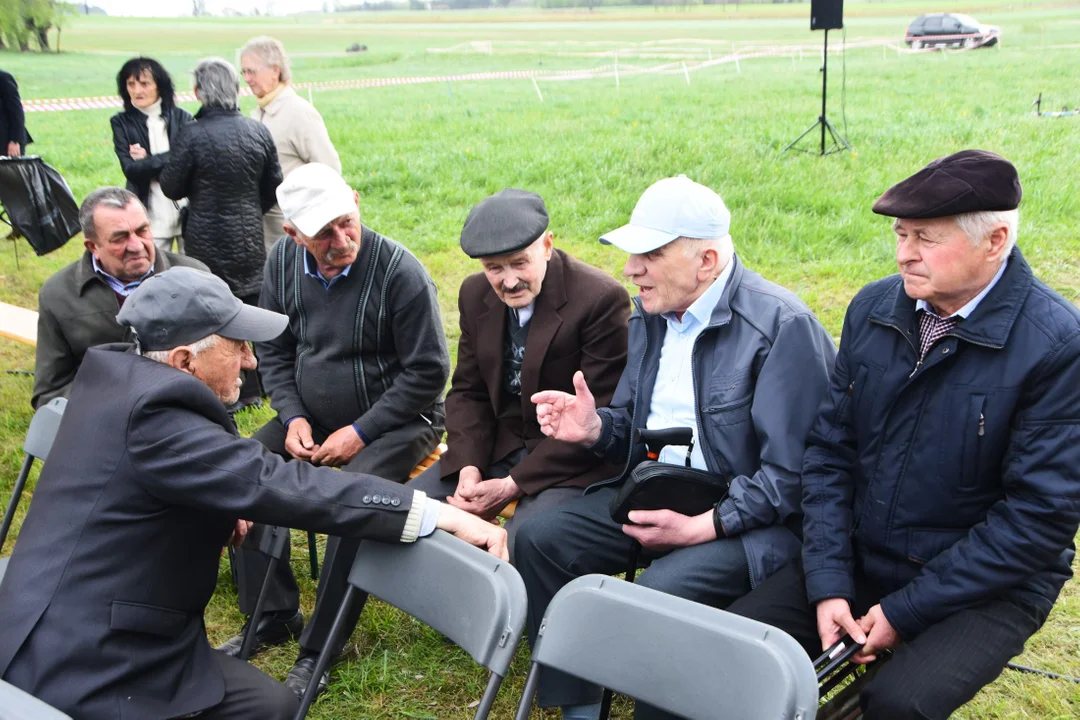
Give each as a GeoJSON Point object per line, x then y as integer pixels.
{"type": "Point", "coordinates": [473, 530]}
{"type": "Point", "coordinates": [570, 418]}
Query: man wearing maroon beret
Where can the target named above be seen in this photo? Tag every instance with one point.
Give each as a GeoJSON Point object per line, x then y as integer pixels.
{"type": "Point", "coordinates": [941, 482]}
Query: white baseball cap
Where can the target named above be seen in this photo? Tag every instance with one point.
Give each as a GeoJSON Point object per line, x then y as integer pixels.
{"type": "Point", "coordinates": [671, 208]}
{"type": "Point", "coordinates": [312, 195]}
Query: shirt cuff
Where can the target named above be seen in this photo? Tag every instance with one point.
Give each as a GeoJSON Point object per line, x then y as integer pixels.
{"type": "Point", "coordinates": [360, 434]}
{"type": "Point", "coordinates": [414, 521]}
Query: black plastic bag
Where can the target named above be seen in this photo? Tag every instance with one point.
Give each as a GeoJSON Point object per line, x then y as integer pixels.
{"type": "Point", "coordinates": [38, 202]}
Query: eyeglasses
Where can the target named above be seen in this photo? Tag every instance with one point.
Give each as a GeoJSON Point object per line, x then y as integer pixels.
{"type": "Point", "coordinates": [251, 71]}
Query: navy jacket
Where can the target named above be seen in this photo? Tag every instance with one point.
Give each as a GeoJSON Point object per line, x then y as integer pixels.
{"type": "Point", "coordinates": [957, 483]}
{"type": "Point", "coordinates": [102, 604]}
{"type": "Point", "coordinates": [761, 369]}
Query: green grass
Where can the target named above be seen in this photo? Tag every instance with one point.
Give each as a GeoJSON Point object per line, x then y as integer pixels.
{"type": "Point", "coordinates": [422, 155]}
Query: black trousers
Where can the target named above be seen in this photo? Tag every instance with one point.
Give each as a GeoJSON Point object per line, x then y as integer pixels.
{"type": "Point", "coordinates": [579, 538]}
{"type": "Point", "coordinates": [929, 677]}
{"type": "Point", "coordinates": [250, 694]}
{"type": "Point", "coordinates": [439, 488]}
{"type": "Point", "coordinates": [392, 456]}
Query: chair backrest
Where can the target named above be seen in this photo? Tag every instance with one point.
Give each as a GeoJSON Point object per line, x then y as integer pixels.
{"type": "Point", "coordinates": [17, 705]}
{"type": "Point", "coordinates": [468, 595]}
{"type": "Point", "coordinates": [43, 427]}
{"type": "Point", "coordinates": [683, 657]}
{"type": "Point", "coordinates": [268, 539]}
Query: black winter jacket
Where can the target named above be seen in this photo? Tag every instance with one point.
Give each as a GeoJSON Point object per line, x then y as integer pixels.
{"type": "Point", "coordinates": [227, 167]}
{"type": "Point", "coordinates": [129, 128]}
{"type": "Point", "coordinates": [948, 483]}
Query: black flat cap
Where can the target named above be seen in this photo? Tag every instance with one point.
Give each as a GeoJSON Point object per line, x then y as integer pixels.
{"type": "Point", "coordinates": [967, 181]}
{"type": "Point", "coordinates": [508, 221]}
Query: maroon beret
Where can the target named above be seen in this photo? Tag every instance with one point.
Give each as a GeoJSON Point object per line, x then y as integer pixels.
{"type": "Point", "coordinates": [967, 181]}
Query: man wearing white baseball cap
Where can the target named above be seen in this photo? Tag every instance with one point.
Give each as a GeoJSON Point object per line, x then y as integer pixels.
{"type": "Point", "coordinates": [714, 347]}
{"type": "Point", "coordinates": [356, 379]}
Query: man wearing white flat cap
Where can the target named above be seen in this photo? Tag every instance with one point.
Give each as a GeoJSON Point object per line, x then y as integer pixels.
{"type": "Point", "coordinates": [356, 378]}
{"type": "Point", "coordinates": [712, 346]}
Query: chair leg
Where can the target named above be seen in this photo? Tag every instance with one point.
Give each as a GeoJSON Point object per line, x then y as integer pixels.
{"type": "Point", "coordinates": [324, 657]}
{"type": "Point", "coordinates": [531, 683]}
{"type": "Point", "coordinates": [256, 615]}
{"type": "Point", "coordinates": [605, 705]}
{"type": "Point", "coordinates": [16, 493]}
{"type": "Point", "coordinates": [484, 709]}
{"type": "Point", "coordinates": [313, 554]}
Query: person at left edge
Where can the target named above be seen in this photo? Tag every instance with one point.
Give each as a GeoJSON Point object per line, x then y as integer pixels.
{"type": "Point", "coordinates": [356, 379]}
{"type": "Point", "coordinates": [102, 604]}
{"type": "Point", "coordinates": [14, 136]}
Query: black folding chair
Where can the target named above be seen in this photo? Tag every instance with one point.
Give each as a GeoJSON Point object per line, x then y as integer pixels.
{"type": "Point", "coordinates": [271, 540]}
{"type": "Point", "coordinates": [470, 596]}
{"type": "Point", "coordinates": [676, 655]}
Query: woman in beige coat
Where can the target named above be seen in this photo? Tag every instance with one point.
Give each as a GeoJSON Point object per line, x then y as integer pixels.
{"type": "Point", "coordinates": [296, 126]}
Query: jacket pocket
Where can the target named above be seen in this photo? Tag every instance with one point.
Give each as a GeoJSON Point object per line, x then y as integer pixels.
{"type": "Point", "coordinates": [729, 400]}
{"type": "Point", "coordinates": [151, 619]}
{"type": "Point", "coordinates": [974, 430]}
{"type": "Point", "coordinates": [924, 544]}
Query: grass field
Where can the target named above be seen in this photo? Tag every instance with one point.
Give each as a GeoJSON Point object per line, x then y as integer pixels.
{"type": "Point", "coordinates": [422, 155]}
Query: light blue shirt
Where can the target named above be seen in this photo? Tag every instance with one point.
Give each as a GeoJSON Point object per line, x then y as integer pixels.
{"type": "Point", "coordinates": [311, 269]}
{"type": "Point", "coordinates": [119, 287]}
{"type": "Point", "coordinates": [972, 304]}
{"type": "Point", "coordinates": [673, 394]}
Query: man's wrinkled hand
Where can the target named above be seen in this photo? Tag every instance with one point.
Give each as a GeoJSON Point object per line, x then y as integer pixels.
{"type": "Point", "coordinates": [239, 533]}
{"type": "Point", "coordinates": [880, 635]}
{"type": "Point", "coordinates": [473, 530]}
{"type": "Point", "coordinates": [485, 498]}
{"type": "Point", "coordinates": [667, 529]}
{"type": "Point", "coordinates": [834, 620]}
{"type": "Point", "coordinates": [137, 151]}
{"type": "Point", "coordinates": [14, 149]}
{"type": "Point", "coordinates": [340, 448]}
{"type": "Point", "coordinates": [570, 418]}
{"type": "Point", "coordinates": [298, 441]}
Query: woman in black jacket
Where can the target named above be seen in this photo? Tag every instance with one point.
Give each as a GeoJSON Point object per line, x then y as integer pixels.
{"type": "Point", "coordinates": [227, 167]}
{"type": "Point", "coordinates": [142, 136]}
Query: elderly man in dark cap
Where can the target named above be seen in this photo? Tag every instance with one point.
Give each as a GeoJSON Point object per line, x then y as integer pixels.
{"type": "Point", "coordinates": [103, 601]}
{"type": "Point", "coordinates": [941, 484]}
{"type": "Point", "coordinates": [530, 320]}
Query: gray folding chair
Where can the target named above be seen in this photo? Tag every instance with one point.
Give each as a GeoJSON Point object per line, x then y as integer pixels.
{"type": "Point", "coordinates": [688, 659]}
{"type": "Point", "coordinates": [39, 440]}
{"type": "Point", "coordinates": [470, 596]}
{"type": "Point", "coordinates": [270, 540]}
{"type": "Point", "coordinates": [17, 705]}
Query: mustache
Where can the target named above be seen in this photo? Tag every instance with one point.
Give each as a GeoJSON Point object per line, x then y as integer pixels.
{"type": "Point", "coordinates": [336, 253]}
{"type": "Point", "coordinates": [516, 288]}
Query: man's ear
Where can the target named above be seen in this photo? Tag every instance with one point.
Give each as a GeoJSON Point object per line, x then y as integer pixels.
{"type": "Point", "coordinates": [90, 245]}
{"type": "Point", "coordinates": [548, 245]}
{"type": "Point", "coordinates": [710, 264]}
{"type": "Point", "coordinates": [293, 233]}
{"type": "Point", "coordinates": [182, 359]}
{"type": "Point", "coordinates": [998, 237]}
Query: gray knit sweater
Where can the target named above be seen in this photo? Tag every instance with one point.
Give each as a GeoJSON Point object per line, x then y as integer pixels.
{"type": "Point", "coordinates": [370, 350]}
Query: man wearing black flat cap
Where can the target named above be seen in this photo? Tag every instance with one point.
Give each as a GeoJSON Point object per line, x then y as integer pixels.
{"type": "Point", "coordinates": [941, 482]}
{"type": "Point", "coordinates": [102, 603]}
{"type": "Point", "coordinates": [530, 320]}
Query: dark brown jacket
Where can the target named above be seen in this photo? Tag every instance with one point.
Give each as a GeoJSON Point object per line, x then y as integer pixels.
{"type": "Point", "coordinates": [579, 323]}
{"type": "Point", "coordinates": [77, 310]}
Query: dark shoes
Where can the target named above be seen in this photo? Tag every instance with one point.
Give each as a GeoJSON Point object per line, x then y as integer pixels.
{"type": "Point", "coordinates": [274, 628]}
{"type": "Point", "coordinates": [298, 678]}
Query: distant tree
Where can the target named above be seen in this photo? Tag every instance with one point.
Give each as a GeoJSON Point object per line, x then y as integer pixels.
{"type": "Point", "coordinates": [198, 8]}
{"type": "Point", "coordinates": [24, 20]}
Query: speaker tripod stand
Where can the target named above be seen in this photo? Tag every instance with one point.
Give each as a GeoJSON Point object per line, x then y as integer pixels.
{"type": "Point", "coordinates": [838, 142]}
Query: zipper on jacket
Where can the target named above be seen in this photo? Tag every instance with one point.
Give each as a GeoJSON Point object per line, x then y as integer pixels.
{"type": "Point", "coordinates": [982, 424]}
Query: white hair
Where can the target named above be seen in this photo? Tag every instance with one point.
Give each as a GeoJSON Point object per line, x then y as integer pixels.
{"type": "Point", "coordinates": [271, 52]}
{"type": "Point", "coordinates": [978, 226]}
{"type": "Point", "coordinates": [162, 356]}
{"type": "Point", "coordinates": [725, 248]}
